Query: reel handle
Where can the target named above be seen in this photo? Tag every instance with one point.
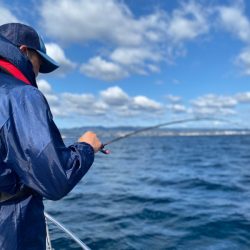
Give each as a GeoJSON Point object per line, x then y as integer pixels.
{"type": "Point", "coordinates": [103, 150]}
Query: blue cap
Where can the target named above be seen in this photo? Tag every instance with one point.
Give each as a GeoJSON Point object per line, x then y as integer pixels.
{"type": "Point", "coordinates": [21, 34]}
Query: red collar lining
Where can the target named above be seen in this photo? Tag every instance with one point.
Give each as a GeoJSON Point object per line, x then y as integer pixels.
{"type": "Point", "coordinates": [14, 71]}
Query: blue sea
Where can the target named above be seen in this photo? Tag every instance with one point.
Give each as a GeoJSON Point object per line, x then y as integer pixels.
{"type": "Point", "coordinates": [161, 192]}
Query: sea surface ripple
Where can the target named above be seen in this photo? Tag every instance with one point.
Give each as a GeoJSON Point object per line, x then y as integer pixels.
{"type": "Point", "coordinates": [161, 193]}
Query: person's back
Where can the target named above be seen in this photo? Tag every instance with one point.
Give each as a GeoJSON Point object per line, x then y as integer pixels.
{"type": "Point", "coordinates": [34, 162]}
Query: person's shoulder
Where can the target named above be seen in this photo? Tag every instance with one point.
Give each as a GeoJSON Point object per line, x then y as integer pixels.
{"type": "Point", "coordinates": [30, 91]}
{"type": "Point", "coordinates": [24, 96]}
{"type": "Point", "coordinates": [8, 83]}
{"type": "Point", "coordinates": [16, 97]}
{"type": "Point", "coordinates": [30, 94]}
{"type": "Point", "coordinates": [12, 86]}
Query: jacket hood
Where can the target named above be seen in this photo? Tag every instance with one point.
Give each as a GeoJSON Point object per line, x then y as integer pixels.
{"type": "Point", "coordinates": [11, 53]}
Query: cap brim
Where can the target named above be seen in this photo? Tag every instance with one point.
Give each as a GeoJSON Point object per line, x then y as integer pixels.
{"type": "Point", "coordinates": [48, 64]}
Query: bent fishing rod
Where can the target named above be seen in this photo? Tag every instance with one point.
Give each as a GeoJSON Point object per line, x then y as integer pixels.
{"type": "Point", "coordinates": [106, 151]}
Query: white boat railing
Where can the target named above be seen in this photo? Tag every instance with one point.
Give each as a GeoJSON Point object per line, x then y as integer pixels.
{"type": "Point", "coordinates": [68, 232]}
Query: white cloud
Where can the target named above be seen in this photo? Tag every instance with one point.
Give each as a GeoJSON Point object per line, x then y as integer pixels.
{"type": "Point", "coordinates": [44, 86]}
{"type": "Point", "coordinates": [52, 99]}
{"type": "Point", "coordinates": [177, 108]}
{"type": "Point", "coordinates": [112, 102]}
{"type": "Point", "coordinates": [57, 53]}
{"type": "Point", "coordinates": [173, 98]}
{"type": "Point", "coordinates": [122, 62]}
{"type": "Point", "coordinates": [243, 97]}
{"type": "Point", "coordinates": [214, 105]}
{"type": "Point", "coordinates": [134, 56]}
{"type": "Point", "coordinates": [46, 89]}
{"type": "Point", "coordinates": [78, 100]}
{"type": "Point", "coordinates": [243, 60]}
{"type": "Point", "coordinates": [127, 37]}
{"type": "Point", "coordinates": [153, 68]}
{"type": "Point", "coordinates": [108, 20]}
{"type": "Point", "coordinates": [188, 22]}
{"type": "Point", "coordinates": [114, 96]}
{"type": "Point", "coordinates": [137, 45]}
{"type": "Point", "coordinates": [235, 21]}
{"type": "Point", "coordinates": [81, 104]}
{"type": "Point", "coordinates": [144, 103]}
{"type": "Point", "coordinates": [6, 16]}
{"type": "Point", "coordinates": [137, 60]}
{"type": "Point", "coordinates": [70, 105]}
{"type": "Point", "coordinates": [92, 20]}
{"type": "Point", "coordinates": [217, 112]}
{"type": "Point", "coordinates": [102, 69]}
{"type": "Point", "coordinates": [214, 101]}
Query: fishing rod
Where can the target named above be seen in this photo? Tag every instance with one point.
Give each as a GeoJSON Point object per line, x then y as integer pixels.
{"type": "Point", "coordinates": [106, 151]}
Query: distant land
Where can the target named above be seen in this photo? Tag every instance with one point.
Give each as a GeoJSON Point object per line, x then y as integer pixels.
{"type": "Point", "coordinates": [120, 131]}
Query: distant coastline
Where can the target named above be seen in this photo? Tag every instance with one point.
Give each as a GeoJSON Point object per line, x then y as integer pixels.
{"type": "Point", "coordinates": [120, 131]}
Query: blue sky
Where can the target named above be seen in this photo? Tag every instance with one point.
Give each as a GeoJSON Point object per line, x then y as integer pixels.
{"type": "Point", "coordinates": [142, 62]}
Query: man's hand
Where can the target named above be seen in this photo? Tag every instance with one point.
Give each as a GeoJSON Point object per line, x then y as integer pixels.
{"type": "Point", "coordinates": [91, 138]}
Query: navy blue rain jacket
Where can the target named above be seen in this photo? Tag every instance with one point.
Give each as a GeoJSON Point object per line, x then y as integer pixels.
{"type": "Point", "coordinates": [32, 154]}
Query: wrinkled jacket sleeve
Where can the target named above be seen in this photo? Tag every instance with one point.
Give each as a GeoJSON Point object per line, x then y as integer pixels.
{"type": "Point", "coordinates": [36, 152]}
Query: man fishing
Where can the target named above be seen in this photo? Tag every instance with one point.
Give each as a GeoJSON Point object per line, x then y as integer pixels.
{"type": "Point", "coordinates": [34, 162]}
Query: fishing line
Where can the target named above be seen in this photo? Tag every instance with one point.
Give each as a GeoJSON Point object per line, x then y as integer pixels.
{"type": "Point", "coordinates": [105, 151]}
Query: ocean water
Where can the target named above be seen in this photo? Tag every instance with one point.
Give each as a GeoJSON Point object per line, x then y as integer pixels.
{"type": "Point", "coordinates": [178, 192]}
